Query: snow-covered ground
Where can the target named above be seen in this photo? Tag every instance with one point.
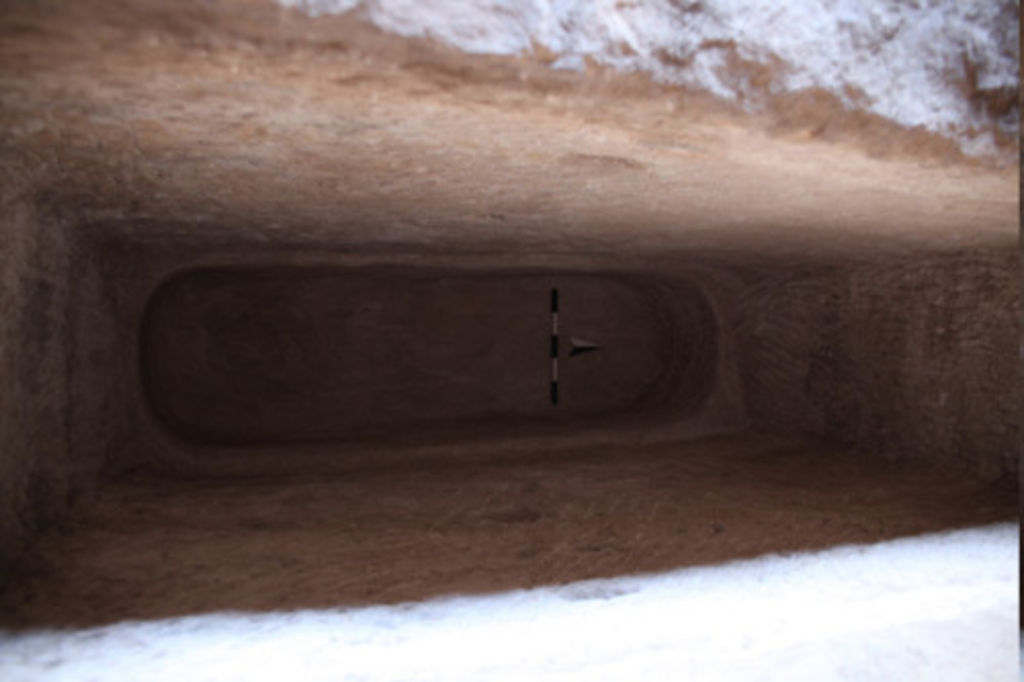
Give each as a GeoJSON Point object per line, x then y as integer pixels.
{"type": "Point", "coordinates": [927, 63]}
{"type": "Point", "coordinates": [937, 607]}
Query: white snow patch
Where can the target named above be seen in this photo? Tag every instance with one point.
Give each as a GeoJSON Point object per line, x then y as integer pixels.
{"type": "Point", "coordinates": [905, 60]}
{"type": "Point", "coordinates": [936, 607]}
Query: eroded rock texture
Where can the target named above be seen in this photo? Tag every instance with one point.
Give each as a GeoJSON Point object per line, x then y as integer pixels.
{"type": "Point", "coordinates": [35, 265]}
{"type": "Point", "coordinates": [859, 283]}
{"type": "Point", "coordinates": [910, 357]}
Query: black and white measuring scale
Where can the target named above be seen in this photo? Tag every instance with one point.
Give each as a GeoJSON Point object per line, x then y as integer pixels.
{"type": "Point", "coordinates": [577, 346]}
